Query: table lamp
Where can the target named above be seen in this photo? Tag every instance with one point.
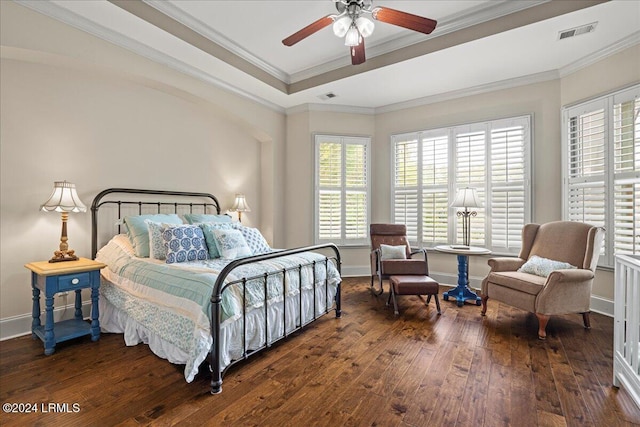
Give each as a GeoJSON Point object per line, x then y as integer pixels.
{"type": "Point", "coordinates": [466, 198]}
{"type": "Point", "coordinates": [240, 205]}
{"type": "Point", "coordinates": [64, 199]}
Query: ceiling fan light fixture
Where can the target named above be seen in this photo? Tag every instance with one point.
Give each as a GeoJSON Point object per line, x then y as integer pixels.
{"type": "Point", "coordinates": [353, 36]}
{"type": "Point", "coordinates": [365, 26]}
{"type": "Point", "coordinates": [341, 26]}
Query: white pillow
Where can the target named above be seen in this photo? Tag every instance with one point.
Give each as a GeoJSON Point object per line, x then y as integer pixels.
{"type": "Point", "coordinates": [231, 244]}
{"type": "Point", "coordinates": [543, 266]}
{"type": "Point", "coordinates": [393, 252]}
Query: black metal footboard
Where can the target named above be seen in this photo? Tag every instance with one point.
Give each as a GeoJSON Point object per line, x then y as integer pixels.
{"type": "Point", "coordinates": [221, 286]}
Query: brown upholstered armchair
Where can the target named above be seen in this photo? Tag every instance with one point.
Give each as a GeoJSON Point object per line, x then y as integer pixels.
{"type": "Point", "coordinates": [563, 291]}
{"type": "Point", "coordinates": [394, 235]}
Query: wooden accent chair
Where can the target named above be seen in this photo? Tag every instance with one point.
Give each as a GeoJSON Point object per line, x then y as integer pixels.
{"type": "Point", "coordinates": [394, 235]}
{"type": "Point", "coordinates": [562, 291]}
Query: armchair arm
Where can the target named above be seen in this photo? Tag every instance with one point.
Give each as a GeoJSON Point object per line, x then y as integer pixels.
{"type": "Point", "coordinates": [375, 261]}
{"type": "Point", "coordinates": [565, 291]}
{"type": "Point", "coordinates": [423, 251]}
{"type": "Point", "coordinates": [505, 264]}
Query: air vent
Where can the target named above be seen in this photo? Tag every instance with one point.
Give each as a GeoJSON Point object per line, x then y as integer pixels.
{"type": "Point", "coordinates": [326, 96]}
{"type": "Point", "coordinates": [584, 29]}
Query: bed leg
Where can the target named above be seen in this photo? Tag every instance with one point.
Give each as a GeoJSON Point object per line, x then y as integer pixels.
{"type": "Point", "coordinates": [216, 387]}
{"type": "Point", "coordinates": [338, 300]}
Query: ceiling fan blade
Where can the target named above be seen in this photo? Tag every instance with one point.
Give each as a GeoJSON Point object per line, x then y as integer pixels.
{"type": "Point", "coordinates": [357, 53]}
{"type": "Point", "coordinates": [404, 19]}
{"type": "Point", "coordinates": [308, 30]}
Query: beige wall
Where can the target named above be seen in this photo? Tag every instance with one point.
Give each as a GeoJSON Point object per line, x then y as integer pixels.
{"type": "Point", "coordinates": [79, 109]}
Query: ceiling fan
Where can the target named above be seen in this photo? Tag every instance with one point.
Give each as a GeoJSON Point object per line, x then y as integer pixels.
{"type": "Point", "coordinates": [352, 24]}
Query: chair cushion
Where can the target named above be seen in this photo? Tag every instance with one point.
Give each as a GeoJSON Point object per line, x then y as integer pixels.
{"type": "Point", "coordinates": [523, 282]}
{"type": "Point", "coordinates": [414, 285]}
{"type": "Point", "coordinates": [404, 266]}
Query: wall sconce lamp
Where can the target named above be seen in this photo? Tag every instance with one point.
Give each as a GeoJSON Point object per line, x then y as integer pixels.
{"type": "Point", "coordinates": [64, 199]}
{"type": "Point", "coordinates": [466, 198]}
{"type": "Point", "coordinates": [240, 205]}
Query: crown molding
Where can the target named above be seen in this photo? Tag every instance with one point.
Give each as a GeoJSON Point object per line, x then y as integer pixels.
{"type": "Point", "coordinates": [304, 108]}
{"type": "Point", "coordinates": [622, 44]}
{"type": "Point", "coordinates": [68, 17]}
{"type": "Point", "coordinates": [475, 90]}
{"type": "Point", "coordinates": [205, 30]}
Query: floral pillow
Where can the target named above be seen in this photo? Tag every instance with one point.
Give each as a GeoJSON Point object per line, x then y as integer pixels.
{"type": "Point", "coordinates": [208, 228]}
{"type": "Point", "coordinates": [543, 266]}
{"type": "Point", "coordinates": [157, 250]}
{"type": "Point", "coordinates": [231, 243]}
{"type": "Point", "coordinates": [184, 243]}
{"type": "Point", "coordinates": [255, 240]}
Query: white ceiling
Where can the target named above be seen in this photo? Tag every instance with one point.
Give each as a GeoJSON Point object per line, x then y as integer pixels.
{"type": "Point", "coordinates": [259, 66]}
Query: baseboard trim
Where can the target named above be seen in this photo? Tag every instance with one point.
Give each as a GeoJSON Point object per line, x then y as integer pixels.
{"type": "Point", "coordinates": [18, 326]}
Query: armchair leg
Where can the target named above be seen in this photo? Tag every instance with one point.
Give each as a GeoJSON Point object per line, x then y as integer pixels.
{"type": "Point", "coordinates": [484, 304]}
{"type": "Point", "coordinates": [543, 319]}
{"type": "Point", "coordinates": [586, 320]}
{"type": "Point", "coordinates": [373, 289]}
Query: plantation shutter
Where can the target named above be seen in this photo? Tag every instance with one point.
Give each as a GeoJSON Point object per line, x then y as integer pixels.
{"type": "Point", "coordinates": [492, 157]}
{"type": "Point", "coordinates": [435, 189]}
{"type": "Point", "coordinates": [602, 169]}
{"type": "Point", "coordinates": [405, 183]}
{"type": "Point", "coordinates": [470, 161]}
{"type": "Point", "coordinates": [342, 189]}
{"type": "Point", "coordinates": [330, 187]}
{"type": "Point", "coordinates": [508, 185]}
{"type": "Point", "coordinates": [626, 176]}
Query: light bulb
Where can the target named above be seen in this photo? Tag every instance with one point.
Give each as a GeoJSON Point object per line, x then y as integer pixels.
{"type": "Point", "coordinates": [365, 26]}
{"type": "Point", "coordinates": [353, 37]}
{"type": "Point", "coordinates": [341, 26]}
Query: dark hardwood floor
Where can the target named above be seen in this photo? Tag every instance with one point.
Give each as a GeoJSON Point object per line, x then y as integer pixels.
{"type": "Point", "coordinates": [367, 368]}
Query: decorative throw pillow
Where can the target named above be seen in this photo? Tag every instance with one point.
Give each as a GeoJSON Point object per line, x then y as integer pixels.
{"type": "Point", "coordinates": [184, 243]}
{"type": "Point", "coordinates": [543, 266]}
{"type": "Point", "coordinates": [231, 243]}
{"type": "Point", "coordinates": [255, 240]}
{"type": "Point", "coordinates": [198, 218]}
{"type": "Point", "coordinates": [157, 250]}
{"type": "Point", "coordinates": [393, 252]}
{"type": "Point", "coordinates": [208, 228]}
{"type": "Point", "coordinates": [138, 230]}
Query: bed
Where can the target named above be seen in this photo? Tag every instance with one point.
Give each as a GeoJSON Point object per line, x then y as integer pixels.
{"type": "Point", "coordinates": [191, 309]}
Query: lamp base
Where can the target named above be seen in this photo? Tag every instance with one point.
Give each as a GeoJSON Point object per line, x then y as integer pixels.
{"type": "Point", "coordinates": [61, 256]}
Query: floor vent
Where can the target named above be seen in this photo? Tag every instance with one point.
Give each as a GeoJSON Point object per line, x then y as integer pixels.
{"type": "Point", "coordinates": [584, 29]}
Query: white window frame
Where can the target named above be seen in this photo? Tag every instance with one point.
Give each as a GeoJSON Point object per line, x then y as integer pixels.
{"type": "Point", "coordinates": [454, 225]}
{"type": "Point", "coordinates": [343, 140]}
{"type": "Point", "coordinates": [606, 103]}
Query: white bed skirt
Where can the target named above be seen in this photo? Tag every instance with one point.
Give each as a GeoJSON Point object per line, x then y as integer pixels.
{"type": "Point", "coordinates": [114, 320]}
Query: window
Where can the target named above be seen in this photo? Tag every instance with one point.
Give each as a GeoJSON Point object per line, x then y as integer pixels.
{"type": "Point", "coordinates": [342, 189]}
{"type": "Point", "coordinates": [429, 166]}
{"type": "Point", "coordinates": [601, 169]}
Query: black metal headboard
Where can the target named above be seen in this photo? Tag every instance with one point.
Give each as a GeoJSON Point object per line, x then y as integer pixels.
{"type": "Point", "coordinates": [174, 201]}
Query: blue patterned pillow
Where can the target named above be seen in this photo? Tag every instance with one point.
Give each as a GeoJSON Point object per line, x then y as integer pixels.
{"type": "Point", "coordinates": [543, 266]}
{"type": "Point", "coordinates": [184, 243]}
{"type": "Point", "coordinates": [208, 229]}
{"type": "Point", "coordinates": [157, 249]}
{"type": "Point", "coordinates": [255, 240]}
{"type": "Point", "coordinates": [231, 243]}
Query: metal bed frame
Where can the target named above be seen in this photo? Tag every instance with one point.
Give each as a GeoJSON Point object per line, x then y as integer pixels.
{"type": "Point", "coordinates": [209, 203]}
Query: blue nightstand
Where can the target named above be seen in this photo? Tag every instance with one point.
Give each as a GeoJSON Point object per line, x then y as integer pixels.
{"type": "Point", "coordinates": [66, 276]}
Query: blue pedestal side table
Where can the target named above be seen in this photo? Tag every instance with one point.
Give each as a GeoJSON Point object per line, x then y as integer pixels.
{"type": "Point", "coordinates": [56, 277]}
{"type": "Point", "coordinates": [462, 292]}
